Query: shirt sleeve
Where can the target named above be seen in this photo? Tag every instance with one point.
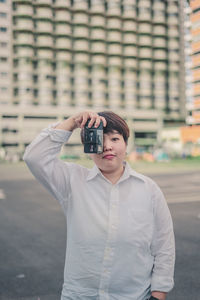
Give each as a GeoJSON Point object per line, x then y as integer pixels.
{"type": "Point", "coordinates": [163, 245]}
{"type": "Point", "coordinates": [41, 158]}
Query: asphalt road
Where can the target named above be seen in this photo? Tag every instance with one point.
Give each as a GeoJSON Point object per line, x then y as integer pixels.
{"type": "Point", "coordinates": [32, 237]}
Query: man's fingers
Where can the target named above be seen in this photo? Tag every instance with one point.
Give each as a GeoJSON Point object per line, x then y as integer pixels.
{"type": "Point", "coordinates": [95, 119]}
{"type": "Point", "coordinates": [104, 121]}
{"type": "Point", "coordinates": [84, 120]}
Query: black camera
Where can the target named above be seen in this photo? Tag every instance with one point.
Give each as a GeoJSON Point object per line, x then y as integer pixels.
{"type": "Point", "coordinates": [93, 138]}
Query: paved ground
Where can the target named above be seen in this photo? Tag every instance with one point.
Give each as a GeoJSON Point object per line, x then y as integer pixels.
{"type": "Point", "coordinates": [32, 236]}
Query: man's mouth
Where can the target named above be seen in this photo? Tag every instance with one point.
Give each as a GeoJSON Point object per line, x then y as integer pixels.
{"type": "Point", "coordinates": [108, 156]}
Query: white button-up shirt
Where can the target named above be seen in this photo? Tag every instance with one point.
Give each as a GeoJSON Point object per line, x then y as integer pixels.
{"type": "Point", "coordinates": [120, 241]}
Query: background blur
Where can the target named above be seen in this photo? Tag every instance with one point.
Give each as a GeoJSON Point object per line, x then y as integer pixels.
{"type": "Point", "coordinates": [139, 58]}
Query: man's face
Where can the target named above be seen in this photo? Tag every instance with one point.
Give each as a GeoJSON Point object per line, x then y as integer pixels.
{"type": "Point", "coordinates": [114, 152]}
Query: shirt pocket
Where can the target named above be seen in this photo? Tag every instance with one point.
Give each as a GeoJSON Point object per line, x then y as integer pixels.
{"type": "Point", "coordinates": [140, 224]}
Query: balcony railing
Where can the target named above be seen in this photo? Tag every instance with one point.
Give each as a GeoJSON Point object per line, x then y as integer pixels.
{"type": "Point", "coordinates": [44, 41]}
{"type": "Point", "coordinates": [62, 4]}
{"type": "Point", "coordinates": [63, 15]}
{"type": "Point", "coordinates": [44, 13]}
{"type": "Point", "coordinates": [23, 10]}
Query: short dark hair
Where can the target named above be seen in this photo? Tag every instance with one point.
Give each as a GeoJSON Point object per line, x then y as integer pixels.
{"type": "Point", "coordinates": [115, 122]}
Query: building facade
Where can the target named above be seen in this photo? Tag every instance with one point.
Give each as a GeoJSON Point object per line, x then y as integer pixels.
{"type": "Point", "coordinates": [5, 52]}
{"type": "Point", "coordinates": [121, 55]}
{"type": "Point", "coordinates": [195, 33]}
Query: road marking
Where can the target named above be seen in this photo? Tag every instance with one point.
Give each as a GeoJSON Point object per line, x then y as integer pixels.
{"type": "Point", "coordinates": [20, 276]}
{"type": "Point", "coordinates": [2, 195]}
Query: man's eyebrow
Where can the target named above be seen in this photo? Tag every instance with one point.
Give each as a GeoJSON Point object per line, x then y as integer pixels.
{"type": "Point", "coordinates": [113, 132]}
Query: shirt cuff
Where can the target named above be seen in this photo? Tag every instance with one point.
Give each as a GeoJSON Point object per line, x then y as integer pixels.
{"type": "Point", "coordinates": [162, 284]}
{"type": "Point", "coordinates": [58, 135]}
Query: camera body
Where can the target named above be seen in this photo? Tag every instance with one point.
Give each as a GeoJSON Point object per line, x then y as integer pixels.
{"type": "Point", "coordinates": [93, 138]}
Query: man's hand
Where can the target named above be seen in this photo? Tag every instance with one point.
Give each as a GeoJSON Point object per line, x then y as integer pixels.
{"type": "Point", "coordinates": [159, 295]}
{"type": "Point", "coordinates": [79, 120]}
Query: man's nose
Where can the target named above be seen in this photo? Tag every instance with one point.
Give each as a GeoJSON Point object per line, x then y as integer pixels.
{"type": "Point", "coordinates": [107, 145]}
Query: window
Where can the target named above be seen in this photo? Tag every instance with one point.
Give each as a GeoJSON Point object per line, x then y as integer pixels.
{"type": "Point", "coordinates": [3, 74]}
{"type": "Point", "coordinates": [3, 59]}
{"type": "Point", "coordinates": [3, 15]}
{"type": "Point", "coordinates": [3, 29]}
{"type": "Point", "coordinates": [3, 44]}
{"type": "Point", "coordinates": [4, 89]}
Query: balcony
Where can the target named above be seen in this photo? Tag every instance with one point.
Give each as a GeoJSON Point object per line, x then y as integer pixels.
{"type": "Point", "coordinates": [129, 25]}
{"type": "Point", "coordinates": [81, 45]}
{"type": "Point", "coordinates": [144, 28]}
{"type": "Point", "coordinates": [129, 10]}
{"type": "Point", "coordinates": [159, 30]}
{"type": "Point", "coordinates": [130, 51]}
{"type": "Point", "coordinates": [97, 21]}
{"type": "Point", "coordinates": [145, 52]}
{"type": "Point", "coordinates": [144, 3]}
{"type": "Point", "coordinates": [63, 43]}
{"type": "Point", "coordinates": [44, 27]}
{"type": "Point", "coordinates": [80, 5]}
{"type": "Point", "coordinates": [43, 2]}
{"type": "Point", "coordinates": [80, 18]}
{"type": "Point", "coordinates": [173, 44]}
{"type": "Point", "coordinates": [97, 7]}
{"type": "Point", "coordinates": [80, 32]}
{"type": "Point", "coordinates": [62, 16]}
{"type": "Point", "coordinates": [98, 34]}
{"type": "Point", "coordinates": [44, 41]}
{"type": "Point", "coordinates": [114, 49]}
{"type": "Point", "coordinates": [43, 13]}
{"type": "Point", "coordinates": [145, 92]}
{"type": "Point", "coordinates": [114, 61]}
{"type": "Point", "coordinates": [159, 16]}
{"type": "Point", "coordinates": [44, 54]}
{"type": "Point", "coordinates": [130, 63]}
{"type": "Point", "coordinates": [160, 54]}
{"type": "Point", "coordinates": [62, 29]}
{"type": "Point", "coordinates": [159, 42]}
{"type": "Point", "coordinates": [145, 64]}
{"type": "Point", "coordinates": [23, 10]}
{"type": "Point", "coordinates": [159, 5]}
{"type": "Point", "coordinates": [114, 23]}
{"type": "Point", "coordinates": [173, 19]}
{"type": "Point", "coordinates": [81, 58]}
{"type": "Point", "coordinates": [22, 24]}
{"type": "Point", "coordinates": [98, 47]}
{"type": "Point", "coordinates": [174, 67]}
{"type": "Point", "coordinates": [24, 66]}
{"type": "Point", "coordinates": [24, 39]}
{"type": "Point", "coordinates": [114, 36]}
{"type": "Point", "coordinates": [129, 38]}
{"type": "Point", "coordinates": [62, 4]}
{"type": "Point", "coordinates": [174, 56]}
{"type": "Point", "coordinates": [99, 60]}
{"type": "Point", "coordinates": [113, 8]}
{"type": "Point", "coordinates": [25, 52]}
{"type": "Point", "coordinates": [145, 40]}
{"type": "Point", "coordinates": [144, 14]}
{"type": "Point", "coordinates": [63, 56]}
{"type": "Point", "coordinates": [173, 31]}
{"type": "Point", "coordinates": [160, 66]}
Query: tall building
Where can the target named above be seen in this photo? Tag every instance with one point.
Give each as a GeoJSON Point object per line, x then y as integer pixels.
{"type": "Point", "coordinates": [123, 55]}
{"type": "Point", "coordinates": [5, 52]}
{"type": "Point", "coordinates": [195, 32]}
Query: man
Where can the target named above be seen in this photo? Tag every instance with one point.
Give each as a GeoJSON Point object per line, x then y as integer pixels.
{"type": "Point", "coordinates": [120, 241]}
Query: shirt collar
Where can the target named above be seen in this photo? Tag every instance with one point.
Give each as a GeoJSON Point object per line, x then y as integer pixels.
{"type": "Point", "coordinates": [128, 171]}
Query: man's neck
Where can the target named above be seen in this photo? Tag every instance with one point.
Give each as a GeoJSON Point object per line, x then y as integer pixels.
{"type": "Point", "coordinates": [114, 176]}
